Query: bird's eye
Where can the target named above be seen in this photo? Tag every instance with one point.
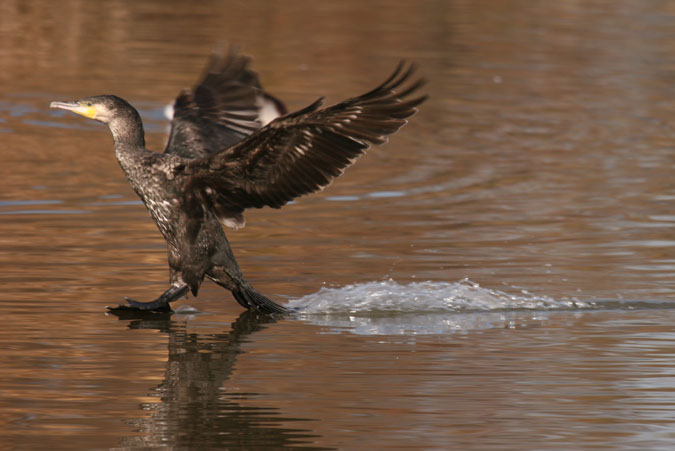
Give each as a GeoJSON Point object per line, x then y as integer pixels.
{"type": "Point", "coordinates": [88, 103]}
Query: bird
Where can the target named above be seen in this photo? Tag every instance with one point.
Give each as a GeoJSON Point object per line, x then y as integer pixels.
{"type": "Point", "coordinates": [221, 160]}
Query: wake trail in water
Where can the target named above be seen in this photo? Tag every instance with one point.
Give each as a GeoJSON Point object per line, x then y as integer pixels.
{"type": "Point", "coordinates": [424, 297]}
{"type": "Point", "coordinates": [389, 308]}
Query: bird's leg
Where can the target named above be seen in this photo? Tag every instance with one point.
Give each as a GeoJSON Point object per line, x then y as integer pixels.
{"type": "Point", "coordinates": [161, 304]}
{"type": "Point", "coordinates": [243, 293]}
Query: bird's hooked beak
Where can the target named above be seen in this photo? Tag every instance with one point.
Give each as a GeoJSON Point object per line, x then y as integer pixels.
{"type": "Point", "coordinates": [81, 108]}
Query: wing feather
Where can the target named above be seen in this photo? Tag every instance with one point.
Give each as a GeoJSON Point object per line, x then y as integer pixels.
{"type": "Point", "coordinates": [221, 109]}
{"type": "Point", "coordinates": [301, 152]}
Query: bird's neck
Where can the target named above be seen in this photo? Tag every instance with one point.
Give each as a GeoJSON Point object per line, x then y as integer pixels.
{"type": "Point", "coordinates": [127, 132]}
{"type": "Point", "coordinates": [130, 148]}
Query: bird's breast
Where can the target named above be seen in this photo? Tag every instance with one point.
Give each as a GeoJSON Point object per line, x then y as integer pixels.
{"type": "Point", "coordinates": [166, 214]}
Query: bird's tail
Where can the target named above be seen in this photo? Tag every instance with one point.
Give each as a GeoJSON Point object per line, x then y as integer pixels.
{"type": "Point", "coordinates": [248, 297]}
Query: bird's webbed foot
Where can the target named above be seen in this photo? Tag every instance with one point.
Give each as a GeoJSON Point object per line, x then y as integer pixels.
{"type": "Point", "coordinates": [161, 304]}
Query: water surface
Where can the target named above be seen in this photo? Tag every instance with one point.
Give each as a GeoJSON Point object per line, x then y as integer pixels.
{"type": "Point", "coordinates": [498, 276]}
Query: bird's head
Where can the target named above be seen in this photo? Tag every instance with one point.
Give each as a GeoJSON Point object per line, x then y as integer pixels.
{"type": "Point", "coordinates": [122, 119]}
{"type": "Point", "coordinates": [101, 108]}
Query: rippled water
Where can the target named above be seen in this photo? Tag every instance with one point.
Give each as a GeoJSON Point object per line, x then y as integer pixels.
{"type": "Point", "coordinates": [498, 276]}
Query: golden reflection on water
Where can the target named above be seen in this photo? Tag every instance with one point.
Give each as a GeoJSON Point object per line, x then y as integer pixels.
{"type": "Point", "coordinates": [542, 161]}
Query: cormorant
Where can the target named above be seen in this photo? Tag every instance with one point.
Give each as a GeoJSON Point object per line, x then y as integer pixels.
{"type": "Point", "coordinates": [219, 161]}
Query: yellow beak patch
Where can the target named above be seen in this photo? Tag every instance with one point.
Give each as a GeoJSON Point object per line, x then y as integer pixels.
{"type": "Point", "coordinates": [81, 108]}
{"type": "Point", "coordinates": [86, 111]}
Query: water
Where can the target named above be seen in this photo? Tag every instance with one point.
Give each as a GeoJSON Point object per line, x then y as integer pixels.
{"type": "Point", "coordinates": [498, 276]}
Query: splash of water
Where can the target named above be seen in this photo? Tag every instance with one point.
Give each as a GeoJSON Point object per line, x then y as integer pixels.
{"type": "Point", "coordinates": [423, 297]}
{"type": "Point", "coordinates": [389, 308]}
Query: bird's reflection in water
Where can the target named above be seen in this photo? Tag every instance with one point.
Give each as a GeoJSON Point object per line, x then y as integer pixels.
{"type": "Point", "coordinates": [193, 410]}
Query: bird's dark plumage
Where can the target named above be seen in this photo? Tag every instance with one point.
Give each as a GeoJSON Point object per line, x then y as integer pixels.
{"type": "Point", "coordinates": [221, 160]}
{"type": "Point", "coordinates": [227, 105]}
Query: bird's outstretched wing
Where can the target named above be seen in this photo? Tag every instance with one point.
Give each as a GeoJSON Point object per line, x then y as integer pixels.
{"type": "Point", "coordinates": [298, 153]}
{"type": "Point", "coordinates": [220, 110]}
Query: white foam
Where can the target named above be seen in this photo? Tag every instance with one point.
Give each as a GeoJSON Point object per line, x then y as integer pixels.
{"type": "Point", "coordinates": [390, 308]}
{"type": "Point", "coordinates": [422, 297]}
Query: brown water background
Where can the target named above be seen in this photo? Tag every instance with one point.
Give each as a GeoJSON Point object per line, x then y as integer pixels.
{"type": "Point", "coordinates": [533, 192]}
